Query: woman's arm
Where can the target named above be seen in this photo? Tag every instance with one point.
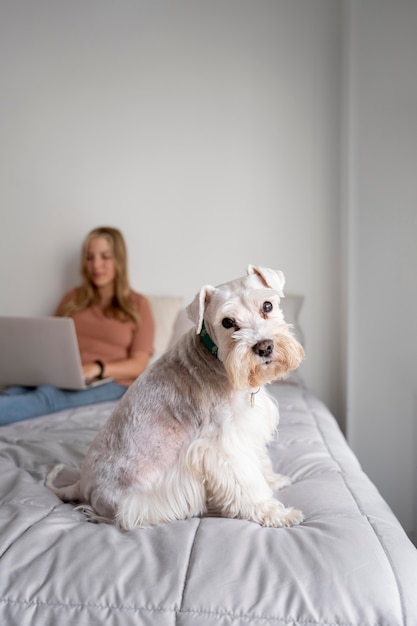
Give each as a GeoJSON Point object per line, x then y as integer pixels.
{"type": "Point", "coordinates": [127, 369]}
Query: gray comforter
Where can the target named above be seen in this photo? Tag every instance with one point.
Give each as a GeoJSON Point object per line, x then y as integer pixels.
{"type": "Point", "coordinates": [348, 564]}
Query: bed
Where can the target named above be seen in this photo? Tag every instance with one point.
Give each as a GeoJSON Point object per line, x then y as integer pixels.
{"type": "Point", "coordinates": [349, 564]}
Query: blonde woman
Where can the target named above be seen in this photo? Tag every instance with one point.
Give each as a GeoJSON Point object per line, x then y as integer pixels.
{"type": "Point", "coordinates": [114, 326]}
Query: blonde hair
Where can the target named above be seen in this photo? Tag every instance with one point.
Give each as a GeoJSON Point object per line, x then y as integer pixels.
{"type": "Point", "coordinates": [121, 306]}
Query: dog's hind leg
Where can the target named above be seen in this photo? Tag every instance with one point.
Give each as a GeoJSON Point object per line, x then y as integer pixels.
{"type": "Point", "coordinates": [69, 493]}
{"type": "Point", "coordinates": [180, 494]}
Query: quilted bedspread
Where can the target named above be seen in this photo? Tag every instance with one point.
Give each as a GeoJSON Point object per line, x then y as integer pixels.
{"type": "Point", "coordinates": [349, 564]}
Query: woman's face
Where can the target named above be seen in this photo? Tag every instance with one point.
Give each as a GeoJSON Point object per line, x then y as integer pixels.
{"type": "Point", "coordinates": [99, 263]}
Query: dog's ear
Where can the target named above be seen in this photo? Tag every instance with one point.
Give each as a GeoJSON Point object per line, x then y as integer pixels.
{"type": "Point", "coordinates": [195, 310]}
{"type": "Point", "coordinates": [270, 278]}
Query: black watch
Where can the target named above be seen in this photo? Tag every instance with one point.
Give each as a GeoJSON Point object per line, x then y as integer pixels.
{"type": "Point", "coordinates": [101, 365]}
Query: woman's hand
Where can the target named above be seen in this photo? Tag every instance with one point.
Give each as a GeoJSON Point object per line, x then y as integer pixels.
{"type": "Point", "coordinates": [91, 371]}
{"type": "Point", "coordinates": [118, 370]}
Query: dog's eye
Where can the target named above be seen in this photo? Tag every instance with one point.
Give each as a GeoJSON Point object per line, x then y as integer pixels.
{"type": "Point", "coordinates": [267, 307]}
{"type": "Point", "coordinates": [227, 322]}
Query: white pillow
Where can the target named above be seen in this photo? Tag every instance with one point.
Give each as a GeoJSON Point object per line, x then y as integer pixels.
{"type": "Point", "coordinates": [165, 311]}
{"type": "Point", "coordinates": [181, 326]}
{"type": "Point", "coordinates": [291, 306]}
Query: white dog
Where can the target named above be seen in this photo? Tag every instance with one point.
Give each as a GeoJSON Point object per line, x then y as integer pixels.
{"type": "Point", "coordinates": [189, 436]}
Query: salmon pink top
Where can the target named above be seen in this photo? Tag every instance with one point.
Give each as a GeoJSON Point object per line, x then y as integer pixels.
{"type": "Point", "coordinates": [108, 339]}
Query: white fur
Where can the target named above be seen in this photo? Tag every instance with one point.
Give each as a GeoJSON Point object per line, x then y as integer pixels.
{"type": "Point", "coordinates": [189, 436]}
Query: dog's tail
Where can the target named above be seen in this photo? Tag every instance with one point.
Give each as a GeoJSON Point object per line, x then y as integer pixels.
{"type": "Point", "coordinates": [69, 493]}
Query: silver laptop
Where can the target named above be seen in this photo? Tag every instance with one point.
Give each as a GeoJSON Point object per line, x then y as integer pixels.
{"type": "Point", "coordinates": [41, 351]}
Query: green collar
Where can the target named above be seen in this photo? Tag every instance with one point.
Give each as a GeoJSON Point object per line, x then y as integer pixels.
{"type": "Point", "coordinates": [208, 341]}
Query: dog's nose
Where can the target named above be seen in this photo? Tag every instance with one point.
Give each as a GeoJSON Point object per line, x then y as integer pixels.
{"type": "Point", "coordinates": [263, 348]}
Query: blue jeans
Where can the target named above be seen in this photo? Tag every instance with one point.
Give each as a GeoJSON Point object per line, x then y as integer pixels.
{"type": "Point", "coordinates": [20, 403]}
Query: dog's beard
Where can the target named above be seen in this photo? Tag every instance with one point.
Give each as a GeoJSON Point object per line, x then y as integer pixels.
{"type": "Point", "coordinates": [247, 369]}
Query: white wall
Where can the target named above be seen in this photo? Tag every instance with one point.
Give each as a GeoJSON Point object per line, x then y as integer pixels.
{"type": "Point", "coordinates": [206, 131]}
{"type": "Point", "coordinates": [382, 203]}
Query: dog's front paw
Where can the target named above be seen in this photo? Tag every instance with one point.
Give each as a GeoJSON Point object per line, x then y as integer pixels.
{"type": "Point", "coordinates": [273, 514]}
